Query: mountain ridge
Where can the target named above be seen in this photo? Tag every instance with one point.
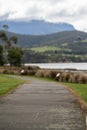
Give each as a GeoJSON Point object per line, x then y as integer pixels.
{"type": "Point", "coordinates": [50, 39]}
{"type": "Point", "coordinates": [36, 27]}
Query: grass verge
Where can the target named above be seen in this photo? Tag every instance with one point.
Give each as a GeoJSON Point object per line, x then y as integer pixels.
{"type": "Point", "coordinates": [80, 89]}
{"type": "Point", "coordinates": [8, 83]}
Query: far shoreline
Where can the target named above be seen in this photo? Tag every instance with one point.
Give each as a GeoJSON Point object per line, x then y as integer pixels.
{"type": "Point", "coordinates": [61, 66]}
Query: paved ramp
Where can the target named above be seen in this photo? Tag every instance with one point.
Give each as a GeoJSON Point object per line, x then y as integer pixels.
{"type": "Point", "coordinates": [40, 105]}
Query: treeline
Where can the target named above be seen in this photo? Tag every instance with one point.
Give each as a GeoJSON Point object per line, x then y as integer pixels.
{"type": "Point", "coordinates": [56, 39]}
{"type": "Point", "coordinates": [52, 56]}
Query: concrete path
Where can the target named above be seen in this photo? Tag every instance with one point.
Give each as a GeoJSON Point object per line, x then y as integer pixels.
{"type": "Point", "coordinates": [40, 105]}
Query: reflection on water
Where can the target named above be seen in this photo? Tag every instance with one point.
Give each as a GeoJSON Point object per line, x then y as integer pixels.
{"type": "Point", "coordinates": [78, 66]}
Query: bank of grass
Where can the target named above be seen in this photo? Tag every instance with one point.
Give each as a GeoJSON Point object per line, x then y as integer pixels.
{"type": "Point", "coordinates": [45, 48]}
{"type": "Point", "coordinates": [80, 89]}
{"type": "Point", "coordinates": [49, 48]}
{"type": "Point", "coordinates": [8, 83]}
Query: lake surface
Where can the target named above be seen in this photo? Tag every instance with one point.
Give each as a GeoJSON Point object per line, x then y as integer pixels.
{"type": "Point", "coordinates": [78, 66]}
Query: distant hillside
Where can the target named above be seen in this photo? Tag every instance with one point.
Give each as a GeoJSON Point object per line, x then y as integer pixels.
{"type": "Point", "coordinates": [68, 46]}
{"type": "Point", "coordinates": [55, 39]}
{"type": "Point", "coordinates": [36, 27]}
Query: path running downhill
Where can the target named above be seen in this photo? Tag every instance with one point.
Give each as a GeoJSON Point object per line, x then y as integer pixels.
{"type": "Point", "coordinates": [40, 105]}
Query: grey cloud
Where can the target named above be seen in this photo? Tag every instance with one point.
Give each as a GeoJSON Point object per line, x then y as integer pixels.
{"type": "Point", "coordinates": [64, 13]}
{"type": "Point", "coordinates": [82, 11]}
{"type": "Point", "coordinates": [73, 11]}
{"type": "Point", "coordinates": [56, 1]}
{"type": "Point", "coordinates": [5, 16]}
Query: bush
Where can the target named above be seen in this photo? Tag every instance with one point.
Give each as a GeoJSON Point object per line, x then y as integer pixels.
{"type": "Point", "coordinates": [83, 79]}
{"type": "Point", "coordinates": [67, 77]}
{"type": "Point", "coordinates": [31, 72]}
{"type": "Point", "coordinates": [73, 77]}
{"type": "Point", "coordinates": [47, 74]}
{"type": "Point", "coordinates": [76, 78]}
{"type": "Point", "coordinates": [39, 73]}
{"type": "Point", "coordinates": [62, 77]}
{"type": "Point", "coordinates": [53, 74]}
{"type": "Point", "coordinates": [5, 71]}
{"type": "Point", "coordinates": [33, 67]}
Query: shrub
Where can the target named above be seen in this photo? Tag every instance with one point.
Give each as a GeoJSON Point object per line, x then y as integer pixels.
{"type": "Point", "coordinates": [83, 79]}
{"type": "Point", "coordinates": [71, 78]}
{"type": "Point", "coordinates": [31, 72]}
{"type": "Point", "coordinates": [76, 78]}
{"type": "Point", "coordinates": [53, 74]}
{"type": "Point", "coordinates": [5, 71]}
{"type": "Point", "coordinates": [67, 77]}
{"type": "Point", "coordinates": [39, 73]}
{"type": "Point", "coordinates": [33, 67]}
{"type": "Point", "coordinates": [62, 76]}
{"type": "Point", "coordinates": [47, 73]}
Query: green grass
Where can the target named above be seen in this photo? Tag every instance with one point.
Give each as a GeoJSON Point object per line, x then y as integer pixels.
{"type": "Point", "coordinates": [8, 83]}
{"type": "Point", "coordinates": [81, 89]}
{"type": "Point", "coordinates": [45, 48]}
{"type": "Point", "coordinates": [84, 40]}
{"type": "Point", "coordinates": [65, 44]}
{"type": "Point", "coordinates": [49, 48]}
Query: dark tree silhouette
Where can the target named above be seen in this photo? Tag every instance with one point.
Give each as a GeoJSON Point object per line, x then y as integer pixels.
{"type": "Point", "coordinates": [12, 54]}
{"type": "Point", "coordinates": [1, 56]}
{"type": "Point", "coordinates": [5, 27]}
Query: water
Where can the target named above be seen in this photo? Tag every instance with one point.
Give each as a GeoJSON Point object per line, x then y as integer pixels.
{"type": "Point", "coordinates": [78, 66]}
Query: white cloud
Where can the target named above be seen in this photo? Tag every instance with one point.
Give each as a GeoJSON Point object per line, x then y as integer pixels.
{"type": "Point", "coordinates": [74, 12]}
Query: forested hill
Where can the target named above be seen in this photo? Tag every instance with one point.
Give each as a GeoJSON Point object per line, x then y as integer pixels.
{"type": "Point", "coordinates": [68, 46]}
{"type": "Point", "coordinates": [56, 39]}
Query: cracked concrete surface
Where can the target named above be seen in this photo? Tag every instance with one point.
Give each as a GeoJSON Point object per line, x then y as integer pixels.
{"type": "Point", "coordinates": [40, 105]}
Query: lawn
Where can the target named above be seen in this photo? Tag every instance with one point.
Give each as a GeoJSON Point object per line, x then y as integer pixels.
{"type": "Point", "coordinates": [81, 89]}
{"type": "Point", "coordinates": [8, 83]}
{"type": "Point", "coordinates": [45, 48]}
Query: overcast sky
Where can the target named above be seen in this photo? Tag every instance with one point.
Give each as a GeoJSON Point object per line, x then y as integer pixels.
{"type": "Point", "coordinates": [70, 11]}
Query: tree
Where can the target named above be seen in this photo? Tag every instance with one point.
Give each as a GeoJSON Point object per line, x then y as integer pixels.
{"type": "Point", "coordinates": [3, 36]}
{"type": "Point", "coordinates": [14, 39]}
{"type": "Point", "coordinates": [1, 56]}
{"type": "Point", "coordinates": [5, 27]}
{"type": "Point", "coordinates": [14, 56]}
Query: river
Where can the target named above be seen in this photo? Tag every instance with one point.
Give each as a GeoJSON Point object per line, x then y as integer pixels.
{"type": "Point", "coordinates": [77, 66]}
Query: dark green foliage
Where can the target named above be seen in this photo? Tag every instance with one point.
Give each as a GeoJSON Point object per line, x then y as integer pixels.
{"type": "Point", "coordinates": [72, 46]}
{"type": "Point", "coordinates": [1, 56]}
{"type": "Point", "coordinates": [3, 36]}
{"type": "Point", "coordinates": [14, 56]}
{"type": "Point", "coordinates": [56, 39]}
{"type": "Point", "coordinates": [5, 27]}
{"type": "Point", "coordinates": [32, 57]}
{"type": "Point", "coordinates": [48, 57]}
{"type": "Point", "coordinates": [14, 39]}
